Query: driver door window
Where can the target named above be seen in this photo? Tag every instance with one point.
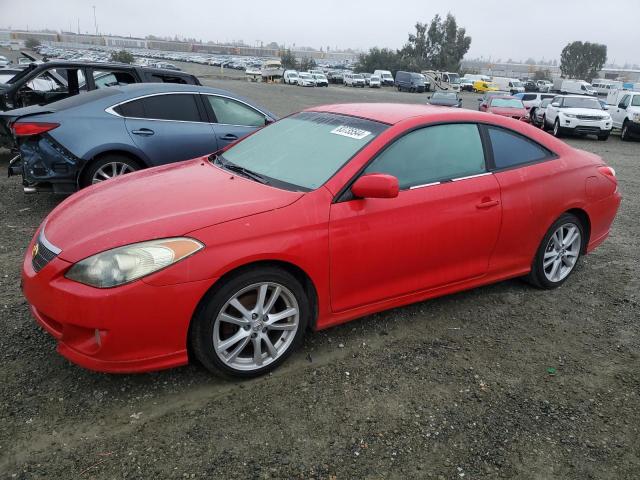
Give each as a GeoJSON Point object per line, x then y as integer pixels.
{"type": "Point", "coordinates": [433, 154]}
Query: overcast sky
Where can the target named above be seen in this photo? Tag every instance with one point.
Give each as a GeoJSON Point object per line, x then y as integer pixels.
{"type": "Point", "coordinates": [499, 29]}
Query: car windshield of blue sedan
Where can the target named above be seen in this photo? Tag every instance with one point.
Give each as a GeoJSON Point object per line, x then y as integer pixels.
{"type": "Point", "coordinates": [303, 151]}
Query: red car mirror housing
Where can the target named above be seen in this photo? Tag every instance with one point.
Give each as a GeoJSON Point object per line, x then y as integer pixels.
{"type": "Point", "coordinates": [376, 185]}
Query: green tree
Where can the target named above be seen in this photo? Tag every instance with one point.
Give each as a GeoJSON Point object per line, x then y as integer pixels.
{"type": "Point", "coordinates": [582, 60]}
{"type": "Point", "coordinates": [288, 59]}
{"type": "Point", "coordinates": [307, 63]}
{"type": "Point", "coordinates": [440, 46]}
{"type": "Point", "coordinates": [380, 59]}
{"type": "Point", "coordinates": [31, 43]}
{"type": "Point", "coordinates": [121, 57]}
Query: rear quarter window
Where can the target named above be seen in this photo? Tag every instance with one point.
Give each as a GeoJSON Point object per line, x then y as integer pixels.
{"type": "Point", "coordinates": [511, 149]}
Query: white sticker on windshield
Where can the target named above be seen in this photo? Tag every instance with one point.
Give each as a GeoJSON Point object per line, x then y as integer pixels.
{"type": "Point", "coordinates": [350, 132]}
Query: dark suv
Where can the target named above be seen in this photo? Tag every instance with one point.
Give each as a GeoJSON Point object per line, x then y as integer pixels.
{"type": "Point", "coordinates": [411, 82]}
{"type": "Point", "coordinates": [43, 83]}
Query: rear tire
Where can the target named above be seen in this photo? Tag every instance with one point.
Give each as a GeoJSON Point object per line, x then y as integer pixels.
{"type": "Point", "coordinates": [106, 167]}
{"type": "Point", "coordinates": [256, 329]}
{"type": "Point", "coordinates": [558, 253]}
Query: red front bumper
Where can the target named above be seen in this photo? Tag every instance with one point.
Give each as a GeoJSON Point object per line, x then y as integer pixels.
{"type": "Point", "coordinates": [132, 328]}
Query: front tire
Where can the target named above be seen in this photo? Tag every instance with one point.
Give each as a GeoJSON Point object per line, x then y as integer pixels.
{"type": "Point", "coordinates": [251, 324]}
{"type": "Point", "coordinates": [624, 133]}
{"type": "Point", "coordinates": [556, 129]}
{"type": "Point", "coordinates": [558, 253]}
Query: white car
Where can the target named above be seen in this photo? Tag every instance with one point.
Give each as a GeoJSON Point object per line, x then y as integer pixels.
{"type": "Point", "coordinates": [306, 80]}
{"type": "Point", "coordinates": [626, 114]}
{"type": "Point", "coordinates": [531, 100]}
{"type": "Point", "coordinates": [577, 114]}
{"type": "Point", "coordinates": [544, 86]}
{"type": "Point", "coordinates": [4, 61]}
{"type": "Point", "coordinates": [375, 81]}
{"type": "Point", "coordinates": [290, 77]}
{"type": "Point", "coordinates": [320, 79]}
{"type": "Point", "coordinates": [354, 80]}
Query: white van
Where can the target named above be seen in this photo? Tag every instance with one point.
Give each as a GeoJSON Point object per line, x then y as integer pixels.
{"type": "Point", "coordinates": [507, 84]}
{"type": "Point", "coordinates": [476, 78]}
{"type": "Point", "coordinates": [603, 86]}
{"type": "Point", "coordinates": [577, 87]}
{"type": "Point", "coordinates": [385, 77]}
{"type": "Point", "coordinates": [290, 77]}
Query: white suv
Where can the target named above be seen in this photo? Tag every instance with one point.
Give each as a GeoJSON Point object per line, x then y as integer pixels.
{"type": "Point", "coordinates": [626, 115]}
{"type": "Point", "coordinates": [577, 114]}
{"type": "Point", "coordinates": [354, 80]}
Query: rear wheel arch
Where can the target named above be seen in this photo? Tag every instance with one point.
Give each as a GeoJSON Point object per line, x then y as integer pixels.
{"type": "Point", "coordinates": [586, 225]}
{"type": "Point", "coordinates": [121, 153]}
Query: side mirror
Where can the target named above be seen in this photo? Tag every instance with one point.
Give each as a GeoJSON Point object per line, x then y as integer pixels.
{"type": "Point", "coordinates": [268, 121]}
{"type": "Point", "coordinates": [621, 105]}
{"type": "Point", "coordinates": [605, 107]}
{"type": "Point", "coordinates": [376, 185]}
{"type": "Point", "coordinates": [555, 104]}
{"type": "Point", "coordinates": [429, 97]}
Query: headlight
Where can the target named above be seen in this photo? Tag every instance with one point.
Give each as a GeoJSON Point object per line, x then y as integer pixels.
{"type": "Point", "coordinates": [636, 117]}
{"type": "Point", "coordinates": [131, 262]}
{"type": "Point", "coordinates": [569, 115]}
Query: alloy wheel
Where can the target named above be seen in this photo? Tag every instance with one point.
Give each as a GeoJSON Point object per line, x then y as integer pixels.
{"type": "Point", "coordinates": [111, 170]}
{"type": "Point", "coordinates": [256, 326]}
{"type": "Point", "coordinates": [561, 253]}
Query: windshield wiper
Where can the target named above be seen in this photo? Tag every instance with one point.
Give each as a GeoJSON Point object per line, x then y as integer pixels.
{"type": "Point", "coordinates": [220, 160]}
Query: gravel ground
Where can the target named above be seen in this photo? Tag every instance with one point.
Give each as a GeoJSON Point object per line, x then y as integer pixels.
{"type": "Point", "coordinates": [456, 387]}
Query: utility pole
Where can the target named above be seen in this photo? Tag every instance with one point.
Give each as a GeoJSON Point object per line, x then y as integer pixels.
{"type": "Point", "coordinates": [95, 22]}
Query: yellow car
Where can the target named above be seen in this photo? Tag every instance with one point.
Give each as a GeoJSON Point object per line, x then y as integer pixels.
{"type": "Point", "coordinates": [482, 86]}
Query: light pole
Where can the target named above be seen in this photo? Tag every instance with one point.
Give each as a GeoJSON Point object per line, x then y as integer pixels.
{"type": "Point", "coordinates": [95, 21]}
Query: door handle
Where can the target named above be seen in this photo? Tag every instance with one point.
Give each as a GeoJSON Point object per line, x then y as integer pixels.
{"type": "Point", "coordinates": [487, 203]}
{"type": "Point", "coordinates": [230, 136]}
{"type": "Point", "coordinates": [143, 131]}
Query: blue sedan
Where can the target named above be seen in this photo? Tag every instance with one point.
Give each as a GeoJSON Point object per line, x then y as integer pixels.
{"type": "Point", "coordinates": [112, 131]}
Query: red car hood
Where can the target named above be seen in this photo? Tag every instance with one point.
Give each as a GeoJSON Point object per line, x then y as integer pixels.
{"type": "Point", "coordinates": [508, 112]}
{"type": "Point", "coordinates": [161, 202]}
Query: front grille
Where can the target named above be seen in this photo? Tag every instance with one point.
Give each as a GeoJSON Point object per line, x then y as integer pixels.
{"type": "Point", "coordinates": [42, 257]}
{"type": "Point", "coordinates": [43, 252]}
{"type": "Point", "coordinates": [587, 130]}
{"type": "Point", "coordinates": [594, 118]}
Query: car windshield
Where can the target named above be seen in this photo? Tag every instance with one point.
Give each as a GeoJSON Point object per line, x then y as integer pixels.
{"type": "Point", "coordinates": [305, 75]}
{"type": "Point", "coordinates": [304, 150]}
{"type": "Point", "coordinates": [357, 75]}
{"type": "Point", "coordinates": [545, 102]}
{"type": "Point", "coordinates": [507, 103]}
{"type": "Point", "coordinates": [581, 102]}
{"type": "Point", "coordinates": [386, 75]}
{"type": "Point", "coordinates": [454, 78]}
{"type": "Point", "coordinates": [444, 96]}
{"type": "Point", "coordinates": [517, 84]}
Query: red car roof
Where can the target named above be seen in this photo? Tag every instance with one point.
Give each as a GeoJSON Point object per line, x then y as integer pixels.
{"type": "Point", "coordinates": [392, 113]}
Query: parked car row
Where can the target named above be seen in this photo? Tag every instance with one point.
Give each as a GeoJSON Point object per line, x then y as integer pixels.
{"type": "Point", "coordinates": [305, 79]}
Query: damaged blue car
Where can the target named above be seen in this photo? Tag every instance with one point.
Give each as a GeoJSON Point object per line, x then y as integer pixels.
{"type": "Point", "coordinates": [92, 137]}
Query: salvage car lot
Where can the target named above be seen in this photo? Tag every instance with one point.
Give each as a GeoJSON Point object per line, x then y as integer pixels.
{"type": "Point", "coordinates": [502, 381]}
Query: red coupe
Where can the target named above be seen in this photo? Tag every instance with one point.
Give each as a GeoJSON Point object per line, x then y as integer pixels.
{"type": "Point", "coordinates": [507, 106]}
{"type": "Point", "coordinates": [325, 216]}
